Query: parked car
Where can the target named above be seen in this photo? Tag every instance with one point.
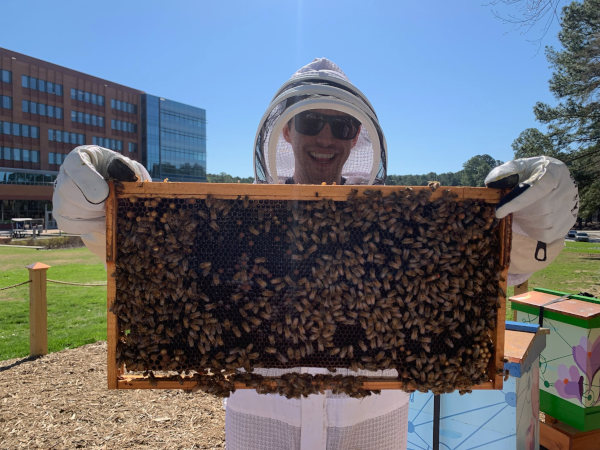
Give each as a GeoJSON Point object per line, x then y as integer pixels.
{"type": "Point", "coordinates": [572, 234]}
{"type": "Point", "coordinates": [582, 237]}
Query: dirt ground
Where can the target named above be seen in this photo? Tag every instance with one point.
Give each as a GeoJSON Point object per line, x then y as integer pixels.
{"type": "Point", "coordinates": [61, 401]}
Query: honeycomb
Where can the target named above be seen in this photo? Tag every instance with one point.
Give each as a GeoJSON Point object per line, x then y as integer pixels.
{"type": "Point", "coordinates": [218, 288]}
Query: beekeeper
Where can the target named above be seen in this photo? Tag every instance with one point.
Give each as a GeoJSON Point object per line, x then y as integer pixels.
{"type": "Point", "coordinates": [320, 128]}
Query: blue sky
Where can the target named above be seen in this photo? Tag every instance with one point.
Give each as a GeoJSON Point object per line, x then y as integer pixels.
{"type": "Point", "coordinates": [448, 79]}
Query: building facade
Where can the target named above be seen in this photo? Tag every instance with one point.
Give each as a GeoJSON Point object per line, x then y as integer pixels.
{"type": "Point", "coordinates": [46, 110]}
{"type": "Point", "coordinates": [174, 139]}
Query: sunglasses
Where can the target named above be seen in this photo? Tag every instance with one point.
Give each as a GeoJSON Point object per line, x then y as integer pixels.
{"type": "Point", "coordinates": [311, 123]}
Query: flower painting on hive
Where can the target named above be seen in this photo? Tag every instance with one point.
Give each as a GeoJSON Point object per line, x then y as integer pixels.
{"type": "Point", "coordinates": [569, 383]}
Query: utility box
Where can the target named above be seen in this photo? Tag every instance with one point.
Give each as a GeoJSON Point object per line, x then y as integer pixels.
{"type": "Point", "coordinates": [570, 364]}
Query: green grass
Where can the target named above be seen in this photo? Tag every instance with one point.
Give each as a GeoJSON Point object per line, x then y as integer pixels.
{"type": "Point", "coordinates": [576, 269]}
{"type": "Point", "coordinates": [76, 315]}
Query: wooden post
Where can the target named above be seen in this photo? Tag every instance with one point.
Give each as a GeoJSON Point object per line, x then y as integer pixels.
{"type": "Point", "coordinates": [38, 317]}
{"type": "Point", "coordinates": [520, 289]}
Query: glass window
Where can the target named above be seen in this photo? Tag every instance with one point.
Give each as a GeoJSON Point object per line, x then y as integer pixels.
{"type": "Point", "coordinates": [35, 156]}
{"type": "Point", "coordinates": [59, 136]}
{"type": "Point", "coordinates": [33, 107]}
{"type": "Point", "coordinates": [73, 116]}
{"type": "Point", "coordinates": [6, 153]}
{"type": "Point", "coordinates": [59, 111]}
{"type": "Point", "coordinates": [25, 155]}
{"type": "Point", "coordinates": [5, 127]}
{"type": "Point", "coordinates": [41, 109]}
{"type": "Point", "coordinates": [16, 129]}
{"type": "Point", "coordinates": [86, 97]}
{"type": "Point", "coordinates": [35, 132]}
{"type": "Point", "coordinates": [94, 99]}
{"type": "Point", "coordinates": [81, 139]}
{"type": "Point", "coordinates": [50, 87]}
{"type": "Point", "coordinates": [25, 106]}
{"type": "Point", "coordinates": [87, 119]}
{"type": "Point", "coordinates": [41, 85]}
{"type": "Point", "coordinates": [101, 121]}
{"type": "Point", "coordinates": [32, 83]}
{"type": "Point", "coordinates": [50, 110]}
{"type": "Point", "coordinates": [25, 81]}
{"type": "Point", "coordinates": [25, 130]}
{"type": "Point", "coordinates": [58, 89]}
{"type": "Point", "coordinates": [112, 103]}
{"type": "Point", "coordinates": [94, 120]}
{"type": "Point", "coordinates": [16, 154]}
{"type": "Point", "coordinates": [50, 134]}
{"type": "Point", "coordinates": [79, 95]}
{"type": "Point", "coordinates": [73, 94]}
{"type": "Point", "coordinates": [79, 116]}
{"type": "Point", "coordinates": [51, 158]}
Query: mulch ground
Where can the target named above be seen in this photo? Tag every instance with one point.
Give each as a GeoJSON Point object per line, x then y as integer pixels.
{"type": "Point", "coordinates": [61, 401]}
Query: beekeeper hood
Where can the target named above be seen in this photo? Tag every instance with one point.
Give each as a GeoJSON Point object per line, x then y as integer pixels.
{"type": "Point", "coordinates": [319, 85]}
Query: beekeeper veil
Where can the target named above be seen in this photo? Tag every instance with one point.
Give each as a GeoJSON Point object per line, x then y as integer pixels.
{"type": "Point", "coordinates": [319, 85]}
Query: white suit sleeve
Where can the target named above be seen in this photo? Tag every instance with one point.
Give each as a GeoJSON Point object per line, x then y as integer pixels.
{"type": "Point", "coordinates": [80, 191]}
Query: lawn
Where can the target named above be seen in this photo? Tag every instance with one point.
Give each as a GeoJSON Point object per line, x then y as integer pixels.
{"type": "Point", "coordinates": [77, 315]}
{"type": "Point", "coordinates": [575, 270]}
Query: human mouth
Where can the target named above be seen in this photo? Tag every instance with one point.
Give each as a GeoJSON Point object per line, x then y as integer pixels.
{"type": "Point", "coordinates": [322, 156]}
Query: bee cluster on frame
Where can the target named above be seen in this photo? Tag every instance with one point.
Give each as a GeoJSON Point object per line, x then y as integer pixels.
{"type": "Point", "coordinates": [218, 289]}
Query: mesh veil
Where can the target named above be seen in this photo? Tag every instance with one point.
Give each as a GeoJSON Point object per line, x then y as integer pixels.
{"type": "Point", "coordinates": [319, 85]}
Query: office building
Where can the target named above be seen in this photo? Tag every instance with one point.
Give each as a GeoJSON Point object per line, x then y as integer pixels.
{"type": "Point", "coordinates": [46, 110]}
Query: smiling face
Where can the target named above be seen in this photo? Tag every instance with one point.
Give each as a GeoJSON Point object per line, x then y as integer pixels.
{"type": "Point", "coordinates": [319, 158]}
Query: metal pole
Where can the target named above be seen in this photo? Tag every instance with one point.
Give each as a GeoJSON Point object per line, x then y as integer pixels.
{"type": "Point", "coordinates": [436, 422]}
{"type": "Point", "coordinates": [38, 311]}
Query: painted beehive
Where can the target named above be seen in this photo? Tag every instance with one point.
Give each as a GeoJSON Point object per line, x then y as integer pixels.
{"type": "Point", "coordinates": [211, 283]}
{"type": "Point", "coordinates": [570, 364]}
{"type": "Point", "coordinates": [491, 419]}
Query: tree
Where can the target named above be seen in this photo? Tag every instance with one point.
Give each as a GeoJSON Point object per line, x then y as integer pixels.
{"type": "Point", "coordinates": [532, 142]}
{"type": "Point", "coordinates": [226, 178]}
{"type": "Point", "coordinates": [528, 14]}
{"type": "Point", "coordinates": [574, 123]}
{"type": "Point", "coordinates": [475, 169]}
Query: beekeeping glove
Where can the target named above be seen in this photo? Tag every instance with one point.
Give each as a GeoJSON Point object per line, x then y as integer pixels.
{"type": "Point", "coordinates": [80, 190]}
{"type": "Point", "coordinates": [544, 202]}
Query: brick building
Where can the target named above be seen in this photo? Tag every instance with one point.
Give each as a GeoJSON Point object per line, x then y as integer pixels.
{"type": "Point", "coordinates": [46, 110]}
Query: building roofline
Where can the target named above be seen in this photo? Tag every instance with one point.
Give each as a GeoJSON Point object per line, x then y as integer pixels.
{"type": "Point", "coordinates": [41, 62]}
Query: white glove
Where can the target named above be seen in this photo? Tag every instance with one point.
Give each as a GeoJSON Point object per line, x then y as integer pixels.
{"type": "Point", "coordinates": [544, 203]}
{"type": "Point", "coordinates": [80, 190]}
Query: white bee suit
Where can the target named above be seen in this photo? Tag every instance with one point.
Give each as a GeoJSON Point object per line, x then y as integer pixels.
{"type": "Point", "coordinates": [326, 421]}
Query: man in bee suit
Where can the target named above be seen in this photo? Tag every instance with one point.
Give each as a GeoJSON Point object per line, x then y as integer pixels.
{"type": "Point", "coordinates": [320, 128]}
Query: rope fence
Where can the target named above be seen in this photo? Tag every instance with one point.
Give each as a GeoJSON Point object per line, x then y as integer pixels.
{"type": "Point", "coordinates": [53, 281]}
{"type": "Point", "coordinates": [75, 284]}
{"type": "Point", "coordinates": [15, 285]}
{"type": "Point", "coordinates": [38, 311]}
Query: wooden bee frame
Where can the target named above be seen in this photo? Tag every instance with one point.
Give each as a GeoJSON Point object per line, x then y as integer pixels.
{"type": "Point", "coordinates": [118, 378]}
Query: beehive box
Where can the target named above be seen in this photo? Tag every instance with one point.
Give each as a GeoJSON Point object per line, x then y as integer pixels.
{"type": "Point", "coordinates": [493, 420]}
{"type": "Point", "coordinates": [570, 363]}
{"type": "Point", "coordinates": [210, 285]}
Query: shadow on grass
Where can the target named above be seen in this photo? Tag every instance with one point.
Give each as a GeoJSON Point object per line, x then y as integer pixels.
{"type": "Point", "coordinates": [19, 362]}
